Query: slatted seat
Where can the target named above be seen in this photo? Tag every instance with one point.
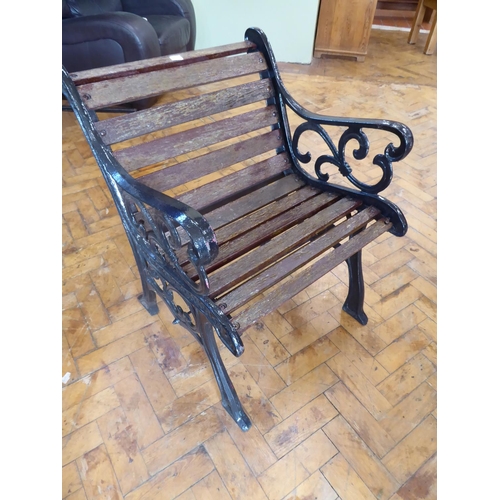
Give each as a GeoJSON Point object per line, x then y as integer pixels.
{"type": "Point", "coordinates": [213, 194]}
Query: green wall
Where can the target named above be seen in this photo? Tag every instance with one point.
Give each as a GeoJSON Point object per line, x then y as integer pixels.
{"type": "Point", "coordinates": [289, 24]}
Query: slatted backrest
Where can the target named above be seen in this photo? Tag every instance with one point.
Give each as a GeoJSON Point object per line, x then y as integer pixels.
{"type": "Point", "coordinates": [212, 120]}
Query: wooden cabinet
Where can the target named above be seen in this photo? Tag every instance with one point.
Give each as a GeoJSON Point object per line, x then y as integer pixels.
{"type": "Point", "coordinates": [344, 27]}
{"type": "Point", "coordinates": [396, 8]}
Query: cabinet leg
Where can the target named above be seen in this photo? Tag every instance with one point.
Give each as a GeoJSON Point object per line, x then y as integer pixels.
{"type": "Point", "coordinates": [430, 45]}
{"type": "Point", "coordinates": [417, 23]}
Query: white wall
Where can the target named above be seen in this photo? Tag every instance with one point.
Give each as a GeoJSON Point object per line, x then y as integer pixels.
{"type": "Point", "coordinates": [289, 24]}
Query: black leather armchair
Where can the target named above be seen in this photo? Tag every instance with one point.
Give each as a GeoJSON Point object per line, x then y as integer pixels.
{"type": "Point", "coordinates": [97, 33]}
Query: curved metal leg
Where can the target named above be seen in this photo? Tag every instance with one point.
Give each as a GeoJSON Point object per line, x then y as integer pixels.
{"type": "Point", "coordinates": [148, 300]}
{"type": "Point", "coordinates": [230, 400]}
{"type": "Point", "coordinates": [356, 295]}
{"type": "Point", "coordinates": [148, 297]}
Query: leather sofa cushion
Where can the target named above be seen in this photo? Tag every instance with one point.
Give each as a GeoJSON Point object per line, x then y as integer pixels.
{"type": "Point", "coordinates": [80, 8]}
{"type": "Point", "coordinates": [173, 32]}
{"type": "Point", "coordinates": [66, 12]}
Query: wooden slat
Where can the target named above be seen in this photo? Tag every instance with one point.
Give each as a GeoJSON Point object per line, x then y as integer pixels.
{"type": "Point", "coordinates": [253, 201]}
{"type": "Point", "coordinates": [187, 141]}
{"type": "Point", "coordinates": [230, 185]}
{"type": "Point", "coordinates": [130, 88]}
{"type": "Point", "coordinates": [309, 275]}
{"type": "Point", "coordinates": [211, 162]}
{"type": "Point", "coordinates": [264, 232]}
{"type": "Point", "coordinates": [234, 229]}
{"type": "Point", "coordinates": [132, 125]}
{"type": "Point", "coordinates": [251, 263]}
{"type": "Point", "coordinates": [158, 63]}
{"type": "Point", "coordinates": [260, 215]}
{"type": "Point", "coordinates": [276, 272]}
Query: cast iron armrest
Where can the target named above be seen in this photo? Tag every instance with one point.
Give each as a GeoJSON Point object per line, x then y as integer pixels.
{"type": "Point", "coordinates": [354, 131]}
{"type": "Point", "coordinates": [150, 217]}
{"type": "Point", "coordinates": [314, 122]}
{"type": "Point", "coordinates": [368, 193]}
{"type": "Point", "coordinates": [154, 219]}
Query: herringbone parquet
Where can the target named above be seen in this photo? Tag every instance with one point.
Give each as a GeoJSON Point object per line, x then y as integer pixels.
{"type": "Point", "coordinates": [339, 410]}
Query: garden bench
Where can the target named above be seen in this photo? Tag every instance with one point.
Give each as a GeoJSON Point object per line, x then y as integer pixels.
{"type": "Point", "coordinates": [226, 217]}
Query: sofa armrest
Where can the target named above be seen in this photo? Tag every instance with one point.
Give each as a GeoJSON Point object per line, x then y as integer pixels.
{"type": "Point", "coordinates": [133, 34]}
{"type": "Point", "coordinates": [183, 8]}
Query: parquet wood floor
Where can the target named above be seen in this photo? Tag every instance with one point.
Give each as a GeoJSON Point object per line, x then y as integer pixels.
{"type": "Point", "coordinates": [339, 410]}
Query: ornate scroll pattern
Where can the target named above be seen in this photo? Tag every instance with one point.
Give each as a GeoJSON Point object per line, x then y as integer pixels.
{"type": "Point", "coordinates": [354, 130]}
{"type": "Point", "coordinates": [160, 237]}
{"type": "Point", "coordinates": [315, 122]}
{"type": "Point", "coordinates": [157, 241]}
{"type": "Point", "coordinates": [338, 157]}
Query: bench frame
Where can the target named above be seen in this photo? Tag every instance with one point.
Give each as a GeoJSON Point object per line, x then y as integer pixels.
{"type": "Point", "coordinates": [157, 225]}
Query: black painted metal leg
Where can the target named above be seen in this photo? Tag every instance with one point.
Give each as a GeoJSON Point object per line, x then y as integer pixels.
{"type": "Point", "coordinates": [148, 297]}
{"type": "Point", "coordinates": [230, 400]}
{"type": "Point", "coordinates": [356, 295]}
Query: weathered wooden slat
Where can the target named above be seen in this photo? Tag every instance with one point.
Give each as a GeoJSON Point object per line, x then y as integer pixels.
{"type": "Point", "coordinates": [195, 168]}
{"type": "Point", "coordinates": [232, 184]}
{"type": "Point", "coordinates": [158, 63]}
{"type": "Point", "coordinates": [253, 201]}
{"type": "Point", "coordinates": [309, 275]}
{"type": "Point", "coordinates": [254, 219]}
{"type": "Point", "coordinates": [264, 232]}
{"type": "Point", "coordinates": [128, 126]}
{"type": "Point", "coordinates": [234, 229]}
{"type": "Point", "coordinates": [253, 262]}
{"type": "Point", "coordinates": [140, 86]}
{"type": "Point", "coordinates": [276, 272]}
{"type": "Point", "coordinates": [187, 141]}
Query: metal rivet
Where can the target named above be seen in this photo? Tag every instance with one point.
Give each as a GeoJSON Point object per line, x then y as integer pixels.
{"type": "Point", "coordinates": [261, 60]}
{"type": "Point", "coordinates": [274, 113]}
{"type": "Point", "coordinates": [87, 96]}
{"type": "Point", "coordinates": [223, 305]}
{"type": "Point", "coordinates": [103, 133]}
{"type": "Point", "coordinates": [236, 325]}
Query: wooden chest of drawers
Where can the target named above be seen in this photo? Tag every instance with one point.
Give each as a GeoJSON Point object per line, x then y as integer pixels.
{"type": "Point", "coordinates": [344, 27]}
